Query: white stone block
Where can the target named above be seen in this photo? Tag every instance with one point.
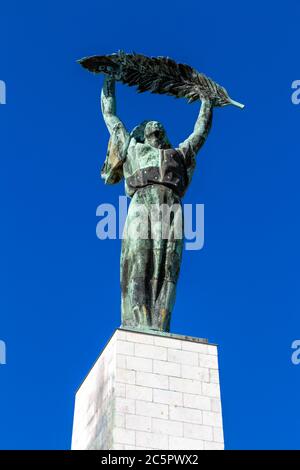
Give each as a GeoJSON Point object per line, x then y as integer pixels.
{"type": "Point", "coordinates": [215, 405]}
{"type": "Point", "coordinates": [123, 436]}
{"type": "Point", "coordinates": [138, 423]}
{"type": "Point", "coordinates": [136, 337]}
{"type": "Point", "coordinates": [125, 376]}
{"type": "Point", "coordinates": [150, 352]}
{"type": "Point", "coordinates": [196, 373]}
{"type": "Point", "coordinates": [137, 392]}
{"type": "Point", "coordinates": [153, 440]}
{"type": "Point", "coordinates": [212, 349]}
{"type": "Point", "coordinates": [152, 380]}
{"type": "Point", "coordinates": [168, 397]}
{"type": "Point", "coordinates": [171, 428]}
{"type": "Point", "coordinates": [139, 363]}
{"type": "Point", "coordinates": [185, 385]}
{"type": "Point", "coordinates": [214, 376]}
{"type": "Point", "coordinates": [211, 390]}
{"type": "Point", "coordinates": [213, 446]}
{"type": "Point", "coordinates": [196, 401]}
{"type": "Point", "coordinates": [121, 361]}
{"type": "Point", "coordinates": [209, 361]}
{"type": "Point", "coordinates": [150, 391]}
{"type": "Point", "coordinates": [183, 357]}
{"type": "Point", "coordinates": [218, 435]}
{"type": "Point", "coordinates": [155, 410]}
{"type": "Point", "coordinates": [167, 342]}
{"type": "Point", "coordinates": [120, 420]}
{"type": "Point", "coordinates": [125, 347]}
{"type": "Point", "coordinates": [170, 369]}
{"type": "Point", "coordinates": [124, 405]}
{"type": "Point", "coordinates": [120, 390]}
{"type": "Point", "coordinates": [182, 443]}
{"type": "Point", "coordinates": [212, 419]}
{"type": "Point", "coordinates": [200, 348]}
{"type": "Point", "coordinates": [187, 415]}
{"type": "Point", "coordinates": [198, 431]}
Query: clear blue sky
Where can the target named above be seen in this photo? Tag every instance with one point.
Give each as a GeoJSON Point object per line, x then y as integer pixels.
{"type": "Point", "coordinates": [59, 298]}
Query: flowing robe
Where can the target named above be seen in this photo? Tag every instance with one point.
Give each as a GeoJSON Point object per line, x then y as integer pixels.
{"type": "Point", "coordinates": [156, 180]}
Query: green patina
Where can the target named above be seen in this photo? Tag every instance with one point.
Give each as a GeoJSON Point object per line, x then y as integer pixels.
{"type": "Point", "coordinates": [156, 175]}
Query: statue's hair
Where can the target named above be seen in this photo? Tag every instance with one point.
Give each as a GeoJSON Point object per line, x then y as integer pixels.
{"type": "Point", "coordinates": [138, 133]}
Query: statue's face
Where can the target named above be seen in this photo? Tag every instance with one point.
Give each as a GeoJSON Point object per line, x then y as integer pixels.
{"type": "Point", "coordinates": [155, 134]}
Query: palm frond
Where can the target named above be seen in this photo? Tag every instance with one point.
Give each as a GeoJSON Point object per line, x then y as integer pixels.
{"type": "Point", "coordinates": [160, 75]}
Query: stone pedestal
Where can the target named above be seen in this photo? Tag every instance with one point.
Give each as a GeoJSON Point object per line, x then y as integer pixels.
{"type": "Point", "coordinates": [150, 391]}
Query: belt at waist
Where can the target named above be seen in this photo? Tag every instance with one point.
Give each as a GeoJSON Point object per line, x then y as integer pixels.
{"type": "Point", "coordinates": [172, 178]}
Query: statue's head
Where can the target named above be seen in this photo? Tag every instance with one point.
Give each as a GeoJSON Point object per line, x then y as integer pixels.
{"type": "Point", "coordinates": [152, 133]}
{"type": "Point", "coordinates": [155, 134]}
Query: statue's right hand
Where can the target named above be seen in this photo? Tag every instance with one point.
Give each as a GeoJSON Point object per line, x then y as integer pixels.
{"type": "Point", "coordinates": [213, 101]}
{"type": "Point", "coordinates": [110, 72]}
{"type": "Point", "coordinates": [108, 78]}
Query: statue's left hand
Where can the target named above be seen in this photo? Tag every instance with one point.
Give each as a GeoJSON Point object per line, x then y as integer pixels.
{"type": "Point", "coordinates": [207, 100]}
{"type": "Point", "coordinates": [213, 100]}
{"type": "Point", "coordinates": [111, 72]}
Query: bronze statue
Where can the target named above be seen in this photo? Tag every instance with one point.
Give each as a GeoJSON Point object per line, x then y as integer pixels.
{"type": "Point", "coordinates": [156, 176]}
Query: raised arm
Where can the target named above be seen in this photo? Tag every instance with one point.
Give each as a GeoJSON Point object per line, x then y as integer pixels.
{"type": "Point", "coordinates": [202, 127]}
{"type": "Point", "coordinates": [108, 106]}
